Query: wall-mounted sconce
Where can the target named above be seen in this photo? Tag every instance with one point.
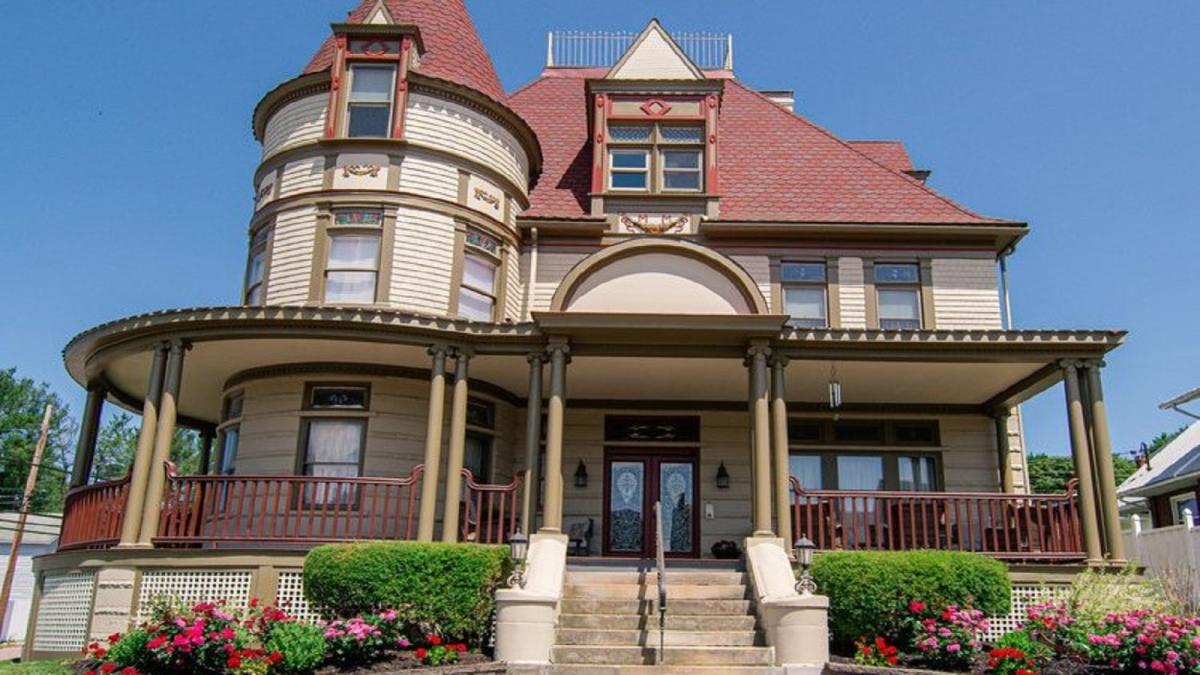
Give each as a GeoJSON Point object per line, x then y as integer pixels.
{"type": "Point", "coordinates": [722, 476]}
{"type": "Point", "coordinates": [581, 475]}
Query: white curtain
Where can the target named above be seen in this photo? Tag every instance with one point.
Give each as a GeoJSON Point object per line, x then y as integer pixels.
{"type": "Point", "coordinates": [334, 447]}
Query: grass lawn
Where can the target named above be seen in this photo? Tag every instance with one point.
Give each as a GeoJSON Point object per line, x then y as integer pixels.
{"type": "Point", "coordinates": [34, 668]}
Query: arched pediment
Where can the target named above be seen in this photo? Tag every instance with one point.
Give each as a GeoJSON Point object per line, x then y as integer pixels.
{"type": "Point", "coordinates": [658, 276]}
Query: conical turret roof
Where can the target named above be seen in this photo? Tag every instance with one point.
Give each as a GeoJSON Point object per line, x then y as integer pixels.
{"type": "Point", "coordinates": [453, 50]}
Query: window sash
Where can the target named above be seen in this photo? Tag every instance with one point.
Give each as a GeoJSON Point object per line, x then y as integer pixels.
{"type": "Point", "coordinates": [806, 304]}
{"type": "Point", "coordinates": [618, 173]}
{"type": "Point", "coordinates": [818, 469]}
{"type": "Point", "coordinates": [373, 104]}
{"type": "Point", "coordinates": [229, 447]}
{"type": "Point", "coordinates": [899, 308]}
{"type": "Point", "coordinates": [333, 448]}
{"type": "Point", "coordinates": [352, 268]}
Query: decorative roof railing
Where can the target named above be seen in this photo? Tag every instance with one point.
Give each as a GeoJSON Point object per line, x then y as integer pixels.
{"type": "Point", "coordinates": [599, 49]}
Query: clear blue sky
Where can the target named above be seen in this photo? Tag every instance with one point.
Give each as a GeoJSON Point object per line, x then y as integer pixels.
{"type": "Point", "coordinates": [128, 152]}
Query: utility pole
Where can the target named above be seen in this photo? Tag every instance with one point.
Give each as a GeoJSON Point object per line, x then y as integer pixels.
{"type": "Point", "coordinates": [23, 516]}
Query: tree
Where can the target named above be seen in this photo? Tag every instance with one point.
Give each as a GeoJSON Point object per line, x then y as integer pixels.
{"type": "Point", "coordinates": [22, 404]}
{"type": "Point", "coordinates": [1160, 441]}
{"type": "Point", "coordinates": [116, 445]}
{"type": "Point", "coordinates": [1048, 474]}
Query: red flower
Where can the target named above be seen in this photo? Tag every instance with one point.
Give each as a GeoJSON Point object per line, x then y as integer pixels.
{"type": "Point", "coordinates": [916, 607]}
{"type": "Point", "coordinates": [435, 640]}
{"type": "Point", "coordinates": [108, 667]}
{"type": "Point", "coordinates": [234, 661]}
{"type": "Point", "coordinates": [892, 659]}
{"type": "Point", "coordinates": [275, 657]}
{"type": "Point", "coordinates": [420, 653]}
{"type": "Point", "coordinates": [460, 648]}
{"type": "Point", "coordinates": [254, 602]}
{"type": "Point", "coordinates": [114, 638]}
{"type": "Point", "coordinates": [157, 641]}
{"type": "Point", "coordinates": [130, 670]}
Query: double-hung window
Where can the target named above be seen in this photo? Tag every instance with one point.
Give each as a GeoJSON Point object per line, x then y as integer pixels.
{"type": "Point", "coordinates": [369, 106]}
{"type": "Point", "coordinates": [334, 445]}
{"type": "Point", "coordinates": [804, 294]}
{"type": "Point", "coordinates": [230, 432]}
{"type": "Point", "coordinates": [898, 289]}
{"type": "Point", "coordinates": [256, 267]}
{"type": "Point", "coordinates": [481, 266]}
{"type": "Point", "coordinates": [352, 265]}
{"type": "Point", "coordinates": [655, 158]}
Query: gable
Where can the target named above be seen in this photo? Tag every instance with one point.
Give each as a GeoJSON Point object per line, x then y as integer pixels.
{"type": "Point", "coordinates": [654, 56]}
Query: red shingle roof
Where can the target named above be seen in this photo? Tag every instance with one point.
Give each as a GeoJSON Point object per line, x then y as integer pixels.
{"type": "Point", "coordinates": [775, 165]}
{"type": "Point", "coordinates": [453, 50]}
{"type": "Point", "coordinates": [888, 153]}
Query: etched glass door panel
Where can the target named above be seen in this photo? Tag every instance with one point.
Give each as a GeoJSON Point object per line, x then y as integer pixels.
{"type": "Point", "coordinates": [627, 506]}
{"type": "Point", "coordinates": [675, 491]}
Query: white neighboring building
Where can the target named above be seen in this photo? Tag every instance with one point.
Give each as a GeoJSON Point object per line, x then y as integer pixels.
{"type": "Point", "coordinates": [41, 538]}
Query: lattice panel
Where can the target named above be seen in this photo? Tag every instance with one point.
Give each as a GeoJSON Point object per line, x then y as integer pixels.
{"type": "Point", "coordinates": [1024, 596]}
{"type": "Point", "coordinates": [289, 596]}
{"type": "Point", "coordinates": [64, 612]}
{"type": "Point", "coordinates": [194, 586]}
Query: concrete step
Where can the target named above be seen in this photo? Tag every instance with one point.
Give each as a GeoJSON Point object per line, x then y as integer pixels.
{"type": "Point", "coordinates": [640, 621]}
{"type": "Point", "coordinates": [649, 637]}
{"type": "Point", "coordinates": [679, 592]}
{"type": "Point", "coordinates": [644, 670]}
{"type": "Point", "coordinates": [725, 577]}
{"type": "Point", "coordinates": [678, 607]}
{"type": "Point", "coordinates": [672, 656]}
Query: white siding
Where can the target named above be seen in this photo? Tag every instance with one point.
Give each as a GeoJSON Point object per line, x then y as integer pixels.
{"type": "Point", "coordinates": [759, 269]}
{"type": "Point", "coordinates": [424, 255]}
{"type": "Point", "coordinates": [514, 292]}
{"type": "Point", "coordinates": [291, 256]}
{"type": "Point", "coordinates": [459, 129]}
{"type": "Point", "coordinates": [302, 175]}
{"type": "Point", "coordinates": [852, 293]}
{"type": "Point", "coordinates": [424, 175]}
{"type": "Point", "coordinates": [965, 293]}
{"type": "Point", "coordinates": [300, 121]}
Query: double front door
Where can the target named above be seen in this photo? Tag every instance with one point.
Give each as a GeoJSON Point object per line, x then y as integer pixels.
{"type": "Point", "coordinates": [633, 481]}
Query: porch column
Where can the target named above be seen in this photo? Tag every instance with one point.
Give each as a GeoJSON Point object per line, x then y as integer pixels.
{"type": "Point", "coordinates": [433, 443]}
{"type": "Point", "coordinates": [560, 356]}
{"type": "Point", "coordinates": [164, 434]}
{"type": "Point", "coordinates": [89, 428]}
{"type": "Point", "coordinates": [533, 442]}
{"type": "Point", "coordinates": [1083, 463]}
{"type": "Point", "coordinates": [1102, 455]}
{"type": "Point", "coordinates": [458, 444]}
{"type": "Point", "coordinates": [757, 358]}
{"type": "Point", "coordinates": [1003, 450]}
{"type": "Point", "coordinates": [206, 445]}
{"type": "Point", "coordinates": [140, 471]}
{"type": "Point", "coordinates": [779, 436]}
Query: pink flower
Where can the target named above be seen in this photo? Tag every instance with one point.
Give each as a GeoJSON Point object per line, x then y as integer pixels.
{"type": "Point", "coordinates": [953, 647]}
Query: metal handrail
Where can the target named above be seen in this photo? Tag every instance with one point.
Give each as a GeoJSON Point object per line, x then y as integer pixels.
{"type": "Point", "coordinates": [661, 562]}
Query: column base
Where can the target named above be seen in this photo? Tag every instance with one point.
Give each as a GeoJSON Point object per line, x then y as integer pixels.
{"type": "Point", "coordinates": [134, 545]}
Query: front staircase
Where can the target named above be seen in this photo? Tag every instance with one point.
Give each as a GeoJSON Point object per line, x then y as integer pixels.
{"type": "Point", "coordinates": [609, 623]}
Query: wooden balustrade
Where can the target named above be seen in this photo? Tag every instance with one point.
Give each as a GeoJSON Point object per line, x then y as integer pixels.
{"type": "Point", "coordinates": [1006, 526]}
{"type": "Point", "coordinates": [490, 513]}
{"type": "Point", "coordinates": [92, 515]}
{"type": "Point", "coordinates": [287, 509]}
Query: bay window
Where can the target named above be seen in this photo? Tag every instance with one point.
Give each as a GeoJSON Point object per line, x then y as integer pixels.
{"type": "Point", "coordinates": [804, 294]}
{"type": "Point", "coordinates": [898, 290]}
{"type": "Point", "coordinates": [369, 104]}
{"type": "Point", "coordinates": [481, 266]}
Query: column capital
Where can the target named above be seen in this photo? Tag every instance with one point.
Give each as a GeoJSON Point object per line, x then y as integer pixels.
{"type": "Point", "coordinates": [463, 353]}
{"type": "Point", "coordinates": [535, 357]}
{"type": "Point", "coordinates": [1094, 364]}
{"type": "Point", "coordinates": [555, 348]}
{"type": "Point", "coordinates": [439, 349]}
{"type": "Point", "coordinates": [779, 361]}
{"type": "Point", "coordinates": [755, 351]}
{"type": "Point", "coordinates": [1000, 414]}
{"type": "Point", "coordinates": [1070, 364]}
{"type": "Point", "coordinates": [178, 345]}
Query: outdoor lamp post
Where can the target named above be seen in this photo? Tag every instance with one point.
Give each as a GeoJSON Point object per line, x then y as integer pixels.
{"type": "Point", "coordinates": [518, 548]}
{"type": "Point", "coordinates": [804, 555]}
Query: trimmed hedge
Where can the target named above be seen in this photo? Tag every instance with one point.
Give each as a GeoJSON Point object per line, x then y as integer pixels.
{"type": "Point", "coordinates": [869, 591]}
{"type": "Point", "coordinates": [445, 589]}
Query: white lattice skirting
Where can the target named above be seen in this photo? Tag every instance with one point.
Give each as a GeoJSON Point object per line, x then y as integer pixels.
{"type": "Point", "coordinates": [1024, 596]}
{"type": "Point", "coordinates": [194, 586]}
{"type": "Point", "coordinates": [64, 612]}
{"type": "Point", "coordinates": [289, 597]}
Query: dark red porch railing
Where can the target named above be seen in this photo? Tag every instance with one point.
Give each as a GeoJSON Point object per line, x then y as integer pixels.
{"type": "Point", "coordinates": [287, 509]}
{"type": "Point", "coordinates": [1007, 526]}
{"type": "Point", "coordinates": [490, 512]}
{"type": "Point", "coordinates": [92, 515]}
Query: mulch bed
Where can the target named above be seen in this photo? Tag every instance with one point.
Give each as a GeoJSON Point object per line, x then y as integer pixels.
{"type": "Point", "coordinates": [404, 662]}
{"type": "Point", "coordinates": [841, 665]}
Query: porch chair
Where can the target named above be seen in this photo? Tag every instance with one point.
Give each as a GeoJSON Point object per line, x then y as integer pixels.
{"type": "Point", "coordinates": [579, 538]}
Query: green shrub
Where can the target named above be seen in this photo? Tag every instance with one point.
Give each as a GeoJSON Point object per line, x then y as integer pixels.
{"type": "Point", "coordinates": [1034, 649]}
{"type": "Point", "coordinates": [301, 645]}
{"type": "Point", "coordinates": [869, 591]}
{"type": "Point", "coordinates": [1095, 594]}
{"type": "Point", "coordinates": [131, 650]}
{"type": "Point", "coordinates": [445, 589]}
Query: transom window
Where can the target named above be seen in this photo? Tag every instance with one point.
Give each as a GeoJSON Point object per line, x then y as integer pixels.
{"type": "Point", "coordinates": [481, 265]}
{"type": "Point", "coordinates": [807, 431]}
{"type": "Point", "coordinates": [898, 288]}
{"type": "Point", "coordinates": [325, 397]}
{"type": "Point", "coordinates": [804, 293]}
{"type": "Point", "coordinates": [656, 157]}
{"type": "Point", "coordinates": [352, 265]}
{"type": "Point", "coordinates": [369, 105]}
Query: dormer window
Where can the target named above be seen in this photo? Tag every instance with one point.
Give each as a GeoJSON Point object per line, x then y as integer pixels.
{"type": "Point", "coordinates": [658, 158]}
{"type": "Point", "coordinates": [369, 108]}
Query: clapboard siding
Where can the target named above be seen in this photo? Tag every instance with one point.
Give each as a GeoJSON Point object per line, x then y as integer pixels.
{"type": "Point", "coordinates": [514, 291]}
{"type": "Point", "coordinates": [300, 121]}
{"type": "Point", "coordinates": [291, 256]}
{"type": "Point", "coordinates": [423, 256]}
{"type": "Point", "coordinates": [459, 129]}
{"type": "Point", "coordinates": [759, 269]}
{"type": "Point", "coordinates": [302, 175]}
{"type": "Point", "coordinates": [552, 267]}
{"type": "Point", "coordinates": [429, 176]}
{"type": "Point", "coordinates": [965, 293]}
{"type": "Point", "coordinates": [852, 293]}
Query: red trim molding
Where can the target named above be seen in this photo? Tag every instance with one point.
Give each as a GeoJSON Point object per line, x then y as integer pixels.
{"type": "Point", "coordinates": [400, 100]}
{"type": "Point", "coordinates": [337, 75]}
{"type": "Point", "coordinates": [712, 107]}
{"type": "Point", "coordinates": [603, 108]}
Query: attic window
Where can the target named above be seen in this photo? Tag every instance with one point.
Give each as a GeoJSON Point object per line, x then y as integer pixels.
{"type": "Point", "coordinates": [657, 158]}
{"type": "Point", "coordinates": [369, 109]}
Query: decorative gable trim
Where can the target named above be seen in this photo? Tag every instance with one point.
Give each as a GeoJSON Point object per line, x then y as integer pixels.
{"type": "Point", "coordinates": [380, 14]}
{"type": "Point", "coordinates": [654, 54]}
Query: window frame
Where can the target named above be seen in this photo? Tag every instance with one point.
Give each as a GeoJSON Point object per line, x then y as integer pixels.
{"type": "Point", "coordinates": [347, 107]}
{"type": "Point", "coordinates": [314, 413]}
{"type": "Point", "coordinates": [822, 285]}
{"type": "Point", "coordinates": [260, 244]}
{"type": "Point", "coordinates": [914, 287]}
{"type": "Point", "coordinates": [334, 230]}
{"type": "Point", "coordinates": [1177, 513]}
{"type": "Point", "coordinates": [494, 259]}
{"type": "Point", "coordinates": [655, 147]}
{"type": "Point", "coordinates": [487, 433]}
{"type": "Point", "coordinates": [231, 420]}
{"type": "Point", "coordinates": [891, 465]}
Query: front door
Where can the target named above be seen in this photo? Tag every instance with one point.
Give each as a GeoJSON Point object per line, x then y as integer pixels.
{"type": "Point", "coordinates": [634, 481]}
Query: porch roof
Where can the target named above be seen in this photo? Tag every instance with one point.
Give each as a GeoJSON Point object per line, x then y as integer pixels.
{"type": "Point", "coordinates": [689, 359]}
